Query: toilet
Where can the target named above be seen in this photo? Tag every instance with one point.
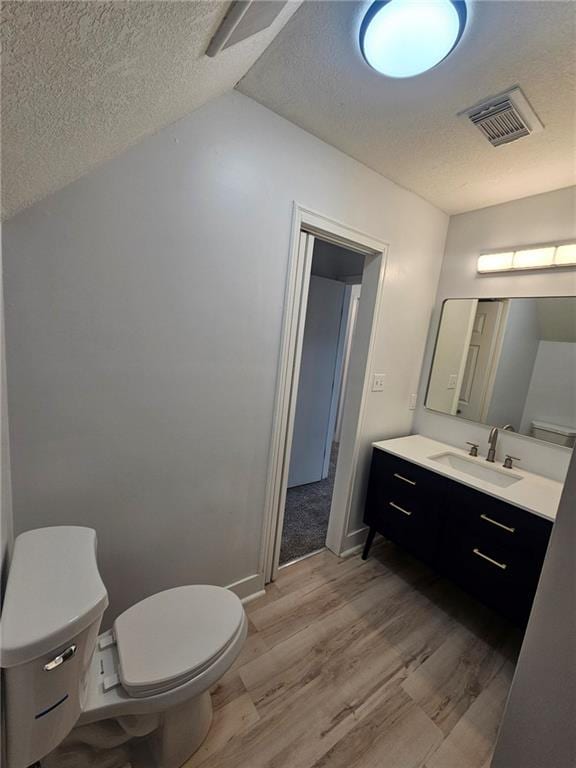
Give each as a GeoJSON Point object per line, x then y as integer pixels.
{"type": "Point", "coordinates": [554, 433]}
{"type": "Point", "coordinates": [148, 677]}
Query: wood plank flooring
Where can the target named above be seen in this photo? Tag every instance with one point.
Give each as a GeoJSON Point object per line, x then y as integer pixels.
{"type": "Point", "coordinates": [352, 664]}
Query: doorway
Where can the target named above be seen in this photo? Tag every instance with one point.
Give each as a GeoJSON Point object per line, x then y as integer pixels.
{"type": "Point", "coordinates": [346, 411]}
{"type": "Point", "coordinates": [333, 297]}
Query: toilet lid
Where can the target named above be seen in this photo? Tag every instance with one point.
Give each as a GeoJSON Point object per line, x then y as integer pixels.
{"type": "Point", "coordinates": [172, 636]}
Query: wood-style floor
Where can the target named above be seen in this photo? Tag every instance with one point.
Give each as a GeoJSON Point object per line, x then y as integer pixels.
{"type": "Point", "coordinates": [352, 664]}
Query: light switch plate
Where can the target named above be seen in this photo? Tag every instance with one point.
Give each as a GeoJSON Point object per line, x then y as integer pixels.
{"type": "Point", "coordinates": [412, 402]}
{"type": "Point", "coordinates": [452, 381]}
{"type": "Point", "coordinates": [378, 382]}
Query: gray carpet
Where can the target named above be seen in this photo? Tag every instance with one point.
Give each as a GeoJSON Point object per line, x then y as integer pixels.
{"type": "Point", "coordinates": [306, 515]}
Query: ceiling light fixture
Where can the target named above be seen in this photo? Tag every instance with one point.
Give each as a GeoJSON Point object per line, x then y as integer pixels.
{"type": "Point", "coordinates": [403, 38]}
{"type": "Point", "coordinates": [533, 257]}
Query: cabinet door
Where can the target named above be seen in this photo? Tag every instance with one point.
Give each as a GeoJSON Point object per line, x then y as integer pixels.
{"type": "Point", "coordinates": [401, 504]}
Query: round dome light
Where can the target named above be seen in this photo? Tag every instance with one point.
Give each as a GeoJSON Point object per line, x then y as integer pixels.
{"type": "Point", "coordinates": [403, 38]}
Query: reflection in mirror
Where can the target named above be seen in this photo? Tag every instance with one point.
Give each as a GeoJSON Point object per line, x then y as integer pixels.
{"type": "Point", "coordinates": [509, 363]}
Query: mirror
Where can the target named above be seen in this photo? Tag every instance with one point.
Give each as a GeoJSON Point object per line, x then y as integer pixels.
{"type": "Point", "coordinates": [508, 362]}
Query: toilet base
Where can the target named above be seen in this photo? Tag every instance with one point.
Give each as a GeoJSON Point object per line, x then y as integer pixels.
{"type": "Point", "coordinates": [182, 730]}
{"type": "Point", "coordinates": [165, 740]}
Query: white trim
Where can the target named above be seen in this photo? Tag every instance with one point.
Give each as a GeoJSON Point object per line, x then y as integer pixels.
{"type": "Point", "coordinates": [305, 248]}
{"type": "Point", "coordinates": [360, 535]}
{"type": "Point", "coordinates": [293, 334]}
{"type": "Point", "coordinates": [251, 598]}
{"type": "Point", "coordinates": [340, 518]}
{"type": "Point", "coordinates": [355, 550]}
{"type": "Point", "coordinates": [248, 588]}
{"type": "Point", "coordinates": [271, 501]}
{"type": "Point", "coordinates": [306, 220]}
{"type": "Point", "coordinates": [353, 542]}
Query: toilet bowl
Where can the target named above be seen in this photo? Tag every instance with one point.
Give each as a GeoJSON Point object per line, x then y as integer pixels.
{"type": "Point", "coordinates": [151, 673]}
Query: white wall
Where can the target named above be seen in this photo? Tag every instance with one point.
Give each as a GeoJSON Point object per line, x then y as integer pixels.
{"type": "Point", "coordinates": [552, 392]}
{"type": "Point", "coordinates": [514, 371]}
{"type": "Point", "coordinates": [143, 323]}
{"type": "Point", "coordinates": [541, 218]}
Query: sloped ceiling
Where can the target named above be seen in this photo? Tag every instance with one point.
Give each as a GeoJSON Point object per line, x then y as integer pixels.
{"type": "Point", "coordinates": [81, 81]}
{"type": "Point", "coordinates": [313, 74]}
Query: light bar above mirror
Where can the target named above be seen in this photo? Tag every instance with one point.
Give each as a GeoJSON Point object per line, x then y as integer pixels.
{"type": "Point", "coordinates": [531, 257]}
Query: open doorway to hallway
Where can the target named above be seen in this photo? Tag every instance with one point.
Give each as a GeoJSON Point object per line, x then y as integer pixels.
{"type": "Point", "coordinates": [333, 298]}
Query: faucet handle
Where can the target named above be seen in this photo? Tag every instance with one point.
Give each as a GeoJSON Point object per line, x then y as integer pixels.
{"type": "Point", "coordinates": [473, 448]}
{"type": "Point", "coordinates": [508, 461]}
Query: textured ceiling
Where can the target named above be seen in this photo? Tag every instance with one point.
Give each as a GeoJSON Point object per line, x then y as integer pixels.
{"type": "Point", "coordinates": [408, 130]}
{"type": "Point", "coordinates": [81, 81]}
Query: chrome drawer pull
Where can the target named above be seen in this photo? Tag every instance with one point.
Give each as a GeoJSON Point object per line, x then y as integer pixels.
{"type": "Point", "coordinates": [405, 511]}
{"type": "Point", "coordinates": [503, 566]}
{"type": "Point", "coordinates": [57, 661]}
{"type": "Point", "coordinates": [410, 482]}
{"type": "Point", "coordinates": [500, 525]}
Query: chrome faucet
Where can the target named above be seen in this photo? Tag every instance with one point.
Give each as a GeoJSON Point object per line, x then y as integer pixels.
{"type": "Point", "coordinates": [492, 440]}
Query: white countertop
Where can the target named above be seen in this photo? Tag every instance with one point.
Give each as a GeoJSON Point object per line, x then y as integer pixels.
{"type": "Point", "coordinates": [534, 493]}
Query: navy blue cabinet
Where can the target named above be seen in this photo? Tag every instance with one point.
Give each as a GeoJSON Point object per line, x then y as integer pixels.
{"type": "Point", "coordinates": [492, 549]}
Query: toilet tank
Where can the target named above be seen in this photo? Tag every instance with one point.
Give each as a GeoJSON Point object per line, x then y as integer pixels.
{"type": "Point", "coordinates": [554, 433]}
{"type": "Point", "coordinates": [51, 615]}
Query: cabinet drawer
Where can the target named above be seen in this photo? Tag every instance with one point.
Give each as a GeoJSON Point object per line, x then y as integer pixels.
{"type": "Point", "coordinates": [399, 474]}
{"type": "Point", "coordinates": [393, 480]}
{"type": "Point", "coordinates": [414, 528]}
{"type": "Point", "coordinates": [504, 578]}
{"type": "Point", "coordinates": [496, 524]}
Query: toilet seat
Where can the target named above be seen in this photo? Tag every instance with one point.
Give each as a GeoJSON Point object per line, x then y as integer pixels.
{"type": "Point", "coordinates": [173, 636]}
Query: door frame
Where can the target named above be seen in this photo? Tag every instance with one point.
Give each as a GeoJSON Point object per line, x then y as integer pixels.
{"type": "Point", "coordinates": [295, 300]}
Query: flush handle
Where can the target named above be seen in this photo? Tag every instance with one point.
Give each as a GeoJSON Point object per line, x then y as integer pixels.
{"type": "Point", "coordinates": [62, 658]}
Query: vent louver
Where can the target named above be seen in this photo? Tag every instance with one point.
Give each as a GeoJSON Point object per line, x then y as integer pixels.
{"type": "Point", "coordinates": [505, 118]}
{"type": "Point", "coordinates": [500, 123]}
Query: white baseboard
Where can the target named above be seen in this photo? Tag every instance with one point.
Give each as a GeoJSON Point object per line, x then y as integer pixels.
{"type": "Point", "coordinates": [249, 588]}
{"type": "Point", "coordinates": [353, 542]}
{"type": "Point", "coordinates": [352, 551]}
{"type": "Point", "coordinates": [255, 596]}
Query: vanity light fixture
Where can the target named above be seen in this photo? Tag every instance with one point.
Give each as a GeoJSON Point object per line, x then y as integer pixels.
{"type": "Point", "coordinates": [403, 38]}
{"type": "Point", "coordinates": [533, 257]}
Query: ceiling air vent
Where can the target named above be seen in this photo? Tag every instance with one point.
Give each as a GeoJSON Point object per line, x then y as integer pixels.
{"type": "Point", "coordinates": [244, 19]}
{"type": "Point", "coordinates": [504, 118]}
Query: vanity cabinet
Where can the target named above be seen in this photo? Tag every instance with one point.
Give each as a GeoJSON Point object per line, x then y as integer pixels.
{"type": "Point", "coordinates": [492, 549]}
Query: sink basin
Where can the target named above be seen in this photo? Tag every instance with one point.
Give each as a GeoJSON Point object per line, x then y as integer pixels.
{"type": "Point", "coordinates": [502, 478]}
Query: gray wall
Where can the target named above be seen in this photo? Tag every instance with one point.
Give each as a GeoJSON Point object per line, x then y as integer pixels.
{"type": "Point", "coordinates": [144, 309]}
{"type": "Point", "coordinates": [5, 486]}
{"type": "Point", "coordinates": [538, 730]}
{"type": "Point", "coordinates": [552, 392]}
{"type": "Point", "coordinates": [519, 348]}
{"type": "Point", "coordinates": [5, 494]}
